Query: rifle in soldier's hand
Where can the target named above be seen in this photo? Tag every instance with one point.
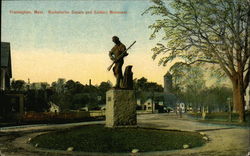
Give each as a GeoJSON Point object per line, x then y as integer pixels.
{"type": "Point", "coordinates": [120, 56]}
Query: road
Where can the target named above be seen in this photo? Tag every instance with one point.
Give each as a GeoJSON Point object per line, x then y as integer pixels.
{"type": "Point", "coordinates": [223, 140]}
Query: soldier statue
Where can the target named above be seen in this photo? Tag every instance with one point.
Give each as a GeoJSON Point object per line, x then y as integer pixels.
{"type": "Point", "coordinates": [116, 54]}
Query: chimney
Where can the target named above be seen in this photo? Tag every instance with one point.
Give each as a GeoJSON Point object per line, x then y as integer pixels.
{"type": "Point", "coordinates": [89, 82]}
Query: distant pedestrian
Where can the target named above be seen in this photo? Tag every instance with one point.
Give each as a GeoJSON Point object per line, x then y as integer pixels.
{"type": "Point", "coordinates": [180, 112]}
{"type": "Point", "coordinates": [176, 111]}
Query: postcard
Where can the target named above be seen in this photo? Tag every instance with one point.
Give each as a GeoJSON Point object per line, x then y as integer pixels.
{"type": "Point", "coordinates": [113, 77]}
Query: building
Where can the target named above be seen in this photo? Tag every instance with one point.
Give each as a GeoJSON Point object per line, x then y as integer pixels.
{"type": "Point", "coordinates": [150, 105]}
{"type": "Point", "coordinates": [39, 85]}
{"type": "Point", "coordinates": [168, 83]}
{"type": "Point", "coordinates": [54, 108]}
{"type": "Point", "coordinates": [12, 103]}
{"type": "Point", "coordinates": [138, 102]}
{"type": "Point", "coordinates": [6, 71]}
{"type": "Point", "coordinates": [170, 99]}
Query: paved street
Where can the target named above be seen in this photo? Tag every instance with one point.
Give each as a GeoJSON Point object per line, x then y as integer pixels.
{"type": "Point", "coordinates": [224, 140]}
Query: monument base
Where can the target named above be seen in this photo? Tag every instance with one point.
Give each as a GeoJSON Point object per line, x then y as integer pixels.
{"type": "Point", "coordinates": [120, 108]}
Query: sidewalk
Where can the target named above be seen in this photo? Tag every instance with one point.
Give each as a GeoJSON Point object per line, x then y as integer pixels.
{"type": "Point", "coordinates": [224, 140]}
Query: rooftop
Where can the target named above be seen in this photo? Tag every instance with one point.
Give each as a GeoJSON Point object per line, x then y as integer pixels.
{"type": "Point", "coordinates": [6, 57]}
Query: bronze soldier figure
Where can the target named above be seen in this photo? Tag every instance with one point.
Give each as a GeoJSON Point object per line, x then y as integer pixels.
{"type": "Point", "coordinates": [115, 55]}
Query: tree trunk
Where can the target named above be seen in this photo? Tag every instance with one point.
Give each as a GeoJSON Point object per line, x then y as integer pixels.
{"type": "Point", "coordinates": [238, 99]}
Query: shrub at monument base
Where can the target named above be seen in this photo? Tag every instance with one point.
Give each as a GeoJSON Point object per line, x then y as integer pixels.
{"type": "Point", "coordinates": [97, 138]}
{"type": "Point", "coordinates": [47, 117]}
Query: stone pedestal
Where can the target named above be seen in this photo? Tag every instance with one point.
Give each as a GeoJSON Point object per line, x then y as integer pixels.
{"type": "Point", "coordinates": [120, 108]}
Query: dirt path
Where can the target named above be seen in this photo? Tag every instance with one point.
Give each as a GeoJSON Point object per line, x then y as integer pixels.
{"type": "Point", "coordinates": [224, 140]}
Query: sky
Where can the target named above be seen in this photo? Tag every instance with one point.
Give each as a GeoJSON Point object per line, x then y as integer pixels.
{"type": "Point", "coordinates": [45, 47]}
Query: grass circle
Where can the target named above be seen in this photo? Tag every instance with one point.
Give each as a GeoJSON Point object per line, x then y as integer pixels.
{"type": "Point", "coordinates": [97, 138]}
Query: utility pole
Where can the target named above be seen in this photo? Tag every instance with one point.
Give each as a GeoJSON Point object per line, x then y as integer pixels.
{"type": "Point", "coordinates": [153, 104]}
{"type": "Point", "coordinates": [229, 100]}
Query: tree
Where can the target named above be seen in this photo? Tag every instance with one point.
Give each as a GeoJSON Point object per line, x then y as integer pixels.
{"type": "Point", "coordinates": [73, 87]}
{"type": "Point", "coordinates": [44, 85]}
{"type": "Point", "coordinates": [17, 85]}
{"type": "Point", "coordinates": [142, 84]}
{"type": "Point", "coordinates": [188, 85]}
{"type": "Point", "coordinates": [36, 100]}
{"type": "Point", "coordinates": [216, 98]}
{"type": "Point", "coordinates": [59, 86]}
{"type": "Point", "coordinates": [80, 100]}
{"type": "Point", "coordinates": [103, 88]}
{"type": "Point", "coordinates": [207, 31]}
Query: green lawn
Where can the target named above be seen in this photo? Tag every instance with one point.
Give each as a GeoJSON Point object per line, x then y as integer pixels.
{"type": "Point", "coordinates": [97, 138]}
{"type": "Point", "coordinates": [221, 118]}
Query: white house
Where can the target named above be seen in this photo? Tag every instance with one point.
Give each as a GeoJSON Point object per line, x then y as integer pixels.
{"type": "Point", "coordinates": [150, 105]}
{"type": "Point", "coordinates": [138, 102]}
{"type": "Point", "coordinates": [54, 108]}
{"type": "Point", "coordinates": [86, 108]}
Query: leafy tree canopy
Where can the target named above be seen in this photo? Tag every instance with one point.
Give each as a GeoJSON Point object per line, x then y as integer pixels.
{"type": "Point", "coordinates": [206, 31]}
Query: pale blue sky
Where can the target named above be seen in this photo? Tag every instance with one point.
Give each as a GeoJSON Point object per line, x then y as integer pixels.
{"type": "Point", "coordinates": [46, 47]}
{"type": "Point", "coordinates": [74, 33]}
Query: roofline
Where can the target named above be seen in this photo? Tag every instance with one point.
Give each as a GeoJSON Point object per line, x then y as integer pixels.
{"type": "Point", "coordinates": [10, 64]}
